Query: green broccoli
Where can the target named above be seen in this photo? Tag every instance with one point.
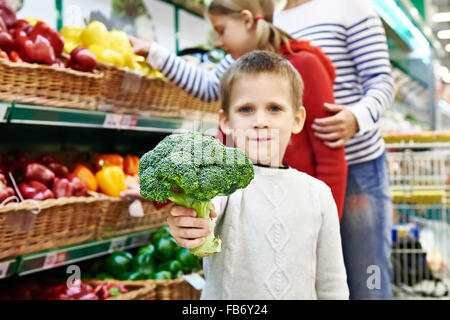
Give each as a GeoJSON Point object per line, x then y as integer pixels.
{"type": "Point", "coordinates": [191, 169]}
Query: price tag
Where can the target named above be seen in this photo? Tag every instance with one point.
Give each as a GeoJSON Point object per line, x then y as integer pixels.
{"type": "Point", "coordinates": [129, 122]}
{"type": "Point", "coordinates": [141, 240]}
{"type": "Point", "coordinates": [3, 108]}
{"type": "Point", "coordinates": [112, 121]}
{"type": "Point", "coordinates": [118, 244]}
{"type": "Point", "coordinates": [55, 259]}
{"type": "Point", "coordinates": [196, 281]}
{"type": "Point", "coordinates": [135, 209]}
{"type": "Point", "coordinates": [4, 269]}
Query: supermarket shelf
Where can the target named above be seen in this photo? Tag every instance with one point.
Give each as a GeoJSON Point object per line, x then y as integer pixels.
{"type": "Point", "coordinates": [32, 263]}
{"type": "Point", "coordinates": [8, 267]}
{"type": "Point", "coordinates": [42, 115]}
{"type": "Point", "coordinates": [417, 145]}
{"type": "Point", "coordinates": [4, 111]}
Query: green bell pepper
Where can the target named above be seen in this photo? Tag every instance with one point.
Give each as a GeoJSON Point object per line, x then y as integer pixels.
{"type": "Point", "coordinates": [104, 276]}
{"type": "Point", "coordinates": [150, 248]}
{"type": "Point", "coordinates": [188, 261]}
{"type": "Point", "coordinates": [172, 266]}
{"type": "Point", "coordinates": [132, 276]}
{"type": "Point", "coordinates": [144, 263]}
{"type": "Point", "coordinates": [118, 263]}
{"type": "Point", "coordinates": [162, 232]}
{"type": "Point", "coordinates": [162, 275]}
{"type": "Point", "coordinates": [166, 249]}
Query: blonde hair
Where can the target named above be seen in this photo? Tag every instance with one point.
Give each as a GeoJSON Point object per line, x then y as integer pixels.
{"type": "Point", "coordinates": [268, 36]}
{"type": "Point", "coordinates": [257, 62]}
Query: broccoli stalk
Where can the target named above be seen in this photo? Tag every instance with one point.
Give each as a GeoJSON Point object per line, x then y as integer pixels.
{"type": "Point", "coordinates": [211, 244]}
{"type": "Point", "coordinates": [190, 170]}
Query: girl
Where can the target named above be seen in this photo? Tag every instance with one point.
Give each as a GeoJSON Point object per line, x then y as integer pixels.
{"type": "Point", "coordinates": [246, 25]}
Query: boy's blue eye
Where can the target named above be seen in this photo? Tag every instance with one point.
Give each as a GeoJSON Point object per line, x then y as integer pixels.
{"type": "Point", "coordinates": [245, 109]}
{"type": "Point", "coordinates": [274, 108]}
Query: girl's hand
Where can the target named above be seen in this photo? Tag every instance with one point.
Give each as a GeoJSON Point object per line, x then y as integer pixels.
{"type": "Point", "coordinates": [140, 47]}
{"type": "Point", "coordinates": [187, 230]}
{"type": "Point", "coordinates": [133, 192]}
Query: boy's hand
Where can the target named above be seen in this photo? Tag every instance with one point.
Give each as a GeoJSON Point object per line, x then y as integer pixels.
{"type": "Point", "coordinates": [187, 230]}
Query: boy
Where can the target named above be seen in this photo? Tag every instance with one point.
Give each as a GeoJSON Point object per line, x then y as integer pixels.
{"type": "Point", "coordinates": [280, 235]}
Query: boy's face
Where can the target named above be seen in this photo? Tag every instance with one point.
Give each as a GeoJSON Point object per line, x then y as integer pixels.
{"type": "Point", "coordinates": [261, 117]}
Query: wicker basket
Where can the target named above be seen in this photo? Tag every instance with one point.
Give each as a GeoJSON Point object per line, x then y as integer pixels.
{"type": "Point", "coordinates": [61, 222]}
{"type": "Point", "coordinates": [178, 289]}
{"type": "Point", "coordinates": [117, 220]}
{"type": "Point", "coordinates": [38, 84]}
{"type": "Point", "coordinates": [128, 91]}
{"type": "Point", "coordinates": [136, 291]}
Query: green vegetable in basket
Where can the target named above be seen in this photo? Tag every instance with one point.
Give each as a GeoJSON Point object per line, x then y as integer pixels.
{"type": "Point", "coordinates": [148, 248]}
{"type": "Point", "coordinates": [188, 261]}
{"type": "Point", "coordinates": [179, 274]}
{"type": "Point", "coordinates": [162, 232]}
{"type": "Point", "coordinates": [173, 266]}
{"type": "Point", "coordinates": [144, 263]}
{"type": "Point", "coordinates": [132, 276]}
{"type": "Point", "coordinates": [118, 263]}
{"type": "Point", "coordinates": [104, 276]}
{"type": "Point", "coordinates": [166, 249]}
{"type": "Point", "coordinates": [162, 275]}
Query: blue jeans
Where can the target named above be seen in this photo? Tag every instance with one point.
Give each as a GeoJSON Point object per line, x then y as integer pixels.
{"type": "Point", "coordinates": [366, 230]}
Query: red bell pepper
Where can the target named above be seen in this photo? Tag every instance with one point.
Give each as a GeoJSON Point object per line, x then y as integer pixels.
{"type": "Point", "coordinates": [78, 187]}
{"type": "Point", "coordinates": [79, 291]}
{"type": "Point", "coordinates": [82, 59]}
{"type": "Point", "coordinates": [37, 49]}
{"type": "Point", "coordinates": [62, 188]}
{"type": "Point", "coordinates": [109, 289]}
{"type": "Point", "coordinates": [131, 165]}
{"type": "Point", "coordinates": [6, 41]}
{"type": "Point", "coordinates": [5, 191]}
{"type": "Point", "coordinates": [39, 172]}
{"type": "Point", "coordinates": [15, 162]}
{"type": "Point", "coordinates": [21, 25]}
{"type": "Point", "coordinates": [7, 13]}
{"type": "Point", "coordinates": [35, 190]}
{"type": "Point", "coordinates": [56, 40]}
{"type": "Point", "coordinates": [60, 170]}
{"type": "Point", "coordinates": [14, 56]}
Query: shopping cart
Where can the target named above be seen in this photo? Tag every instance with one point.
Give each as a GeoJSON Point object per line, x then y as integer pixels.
{"type": "Point", "coordinates": [419, 182]}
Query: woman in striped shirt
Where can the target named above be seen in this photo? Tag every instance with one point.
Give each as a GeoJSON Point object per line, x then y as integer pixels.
{"type": "Point", "coordinates": [351, 34]}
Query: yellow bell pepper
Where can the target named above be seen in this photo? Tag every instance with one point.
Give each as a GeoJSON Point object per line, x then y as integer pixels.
{"type": "Point", "coordinates": [32, 21]}
{"type": "Point", "coordinates": [95, 33]}
{"type": "Point", "coordinates": [111, 180]}
{"type": "Point", "coordinates": [71, 33]}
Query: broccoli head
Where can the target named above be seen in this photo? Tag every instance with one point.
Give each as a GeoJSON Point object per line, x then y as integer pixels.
{"type": "Point", "coordinates": [189, 170]}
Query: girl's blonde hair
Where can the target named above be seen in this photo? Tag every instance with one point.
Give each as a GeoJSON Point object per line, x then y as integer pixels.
{"type": "Point", "coordinates": [268, 36]}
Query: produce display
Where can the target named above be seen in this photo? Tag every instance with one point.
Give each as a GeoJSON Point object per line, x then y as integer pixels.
{"type": "Point", "coordinates": [46, 178]}
{"type": "Point", "coordinates": [33, 41]}
{"type": "Point", "coordinates": [111, 47]}
{"type": "Point", "coordinates": [190, 170]}
{"type": "Point", "coordinates": [79, 290]}
{"type": "Point", "coordinates": [162, 259]}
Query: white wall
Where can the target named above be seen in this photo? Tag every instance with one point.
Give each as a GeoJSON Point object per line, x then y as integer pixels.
{"type": "Point", "coordinates": [44, 10]}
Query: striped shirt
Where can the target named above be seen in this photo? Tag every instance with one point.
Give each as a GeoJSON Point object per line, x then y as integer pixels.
{"type": "Point", "coordinates": [351, 34]}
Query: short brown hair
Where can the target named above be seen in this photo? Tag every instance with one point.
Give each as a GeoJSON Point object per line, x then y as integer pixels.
{"type": "Point", "coordinates": [257, 62]}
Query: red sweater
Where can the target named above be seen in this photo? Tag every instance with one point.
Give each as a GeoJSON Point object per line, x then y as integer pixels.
{"type": "Point", "coordinates": [305, 152]}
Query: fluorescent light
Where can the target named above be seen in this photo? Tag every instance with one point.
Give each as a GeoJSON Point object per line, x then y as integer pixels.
{"type": "Point", "coordinates": [447, 48]}
{"type": "Point", "coordinates": [441, 17]}
{"type": "Point", "coordinates": [444, 34]}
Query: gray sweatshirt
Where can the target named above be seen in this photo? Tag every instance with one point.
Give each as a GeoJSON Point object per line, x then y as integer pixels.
{"type": "Point", "coordinates": [280, 240]}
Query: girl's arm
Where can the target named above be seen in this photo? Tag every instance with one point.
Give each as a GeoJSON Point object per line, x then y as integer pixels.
{"type": "Point", "coordinates": [330, 164]}
{"type": "Point", "coordinates": [203, 84]}
{"type": "Point", "coordinates": [331, 276]}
